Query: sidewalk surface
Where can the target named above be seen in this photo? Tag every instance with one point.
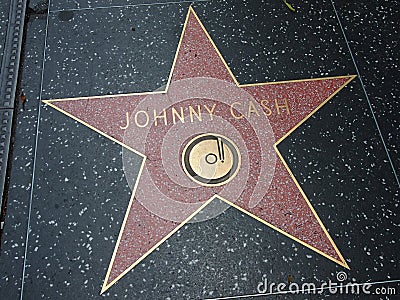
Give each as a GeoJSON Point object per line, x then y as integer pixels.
{"type": "Point", "coordinates": [106, 197]}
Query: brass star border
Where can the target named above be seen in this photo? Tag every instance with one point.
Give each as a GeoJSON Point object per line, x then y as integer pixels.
{"type": "Point", "coordinates": [191, 12]}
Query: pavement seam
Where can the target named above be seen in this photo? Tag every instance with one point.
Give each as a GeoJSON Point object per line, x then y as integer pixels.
{"type": "Point", "coordinates": [366, 95]}
{"type": "Point", "coordinates": [34, 157]}
{"type": "Point", "coordinates": [129, 5]}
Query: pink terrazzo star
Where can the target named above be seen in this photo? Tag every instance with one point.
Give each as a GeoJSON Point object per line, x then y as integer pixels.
{"type": "Point", "coordinates": [203, 96]}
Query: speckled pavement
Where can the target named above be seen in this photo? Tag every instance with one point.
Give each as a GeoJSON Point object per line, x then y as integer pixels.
{"type": "Point", "coordinates": [307, 99]}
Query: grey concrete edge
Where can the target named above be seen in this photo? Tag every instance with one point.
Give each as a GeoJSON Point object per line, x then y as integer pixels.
{"type": "Point", "coordinates": [8, 82]}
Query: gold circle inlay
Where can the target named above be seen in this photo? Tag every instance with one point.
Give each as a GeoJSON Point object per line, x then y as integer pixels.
{"type": "Point", "coordinates": [211, 159]}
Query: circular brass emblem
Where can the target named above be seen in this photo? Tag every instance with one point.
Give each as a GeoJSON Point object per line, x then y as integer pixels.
{"type": "Point", "coordinates": [211, 159]}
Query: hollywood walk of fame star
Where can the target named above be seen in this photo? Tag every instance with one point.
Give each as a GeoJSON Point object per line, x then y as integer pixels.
{"type": "Point", "coordinates": [205, 137]}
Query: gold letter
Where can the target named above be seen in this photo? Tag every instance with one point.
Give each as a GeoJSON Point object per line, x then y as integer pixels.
{"type": "Point", "coordinates": [252, 109]}
{"type": "Point", "coordinates": [180, 117]}
{"type": "Point", "coordinates": [232, 113]}
{"type": "Point", "coordinates": [210, 111]}
{"type": "Point", "coordinates": [136, 118]}
{"type": "Point", "coordinates": [268, 111]}
{"type": "Point", "coordinates": [193, 112]}
{"type": "Point", "coordinates": [163, 116]}
{"type": "Point", "coordinates": [127, 122]}
{"type": "Point", "coordinates": [278, 107]}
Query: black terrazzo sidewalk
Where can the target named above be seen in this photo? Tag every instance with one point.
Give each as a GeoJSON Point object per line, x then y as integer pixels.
{"type": "Point", "coordinates": [67, 193]}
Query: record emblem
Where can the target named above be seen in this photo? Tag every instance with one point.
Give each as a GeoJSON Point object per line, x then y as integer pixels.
{"type": "Point", "coordinates": [211, 159]}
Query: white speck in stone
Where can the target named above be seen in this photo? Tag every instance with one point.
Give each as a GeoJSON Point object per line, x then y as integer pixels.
{"type": "Point", "coordinates": [83, 211]}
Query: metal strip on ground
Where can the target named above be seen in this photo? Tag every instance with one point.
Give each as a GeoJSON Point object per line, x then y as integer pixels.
{"type": "Point", "coordinates": [8, 81]}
